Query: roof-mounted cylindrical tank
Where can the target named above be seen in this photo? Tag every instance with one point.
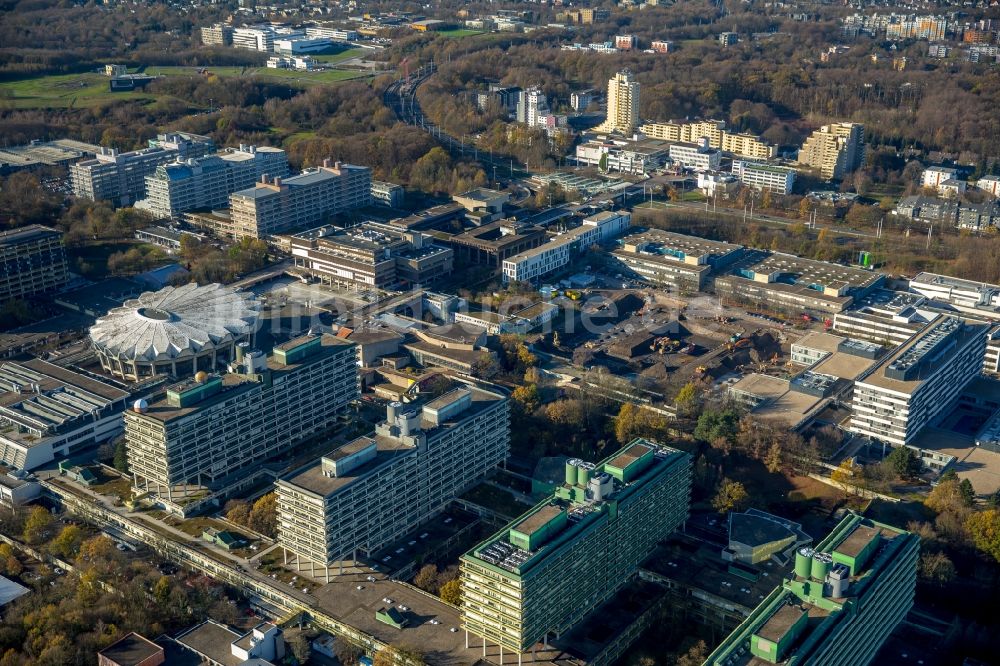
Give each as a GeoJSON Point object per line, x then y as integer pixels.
{"type": "Point", "coordinates": [571, 471]}
{"type": "Point", "coordinates": [803, 562]}
{"type": "Point", "coordinates": [583, 472]}
{"type": "Point", "coordinates": [392, 410]}
{"type": "Point", "coordinates": [821, 566]}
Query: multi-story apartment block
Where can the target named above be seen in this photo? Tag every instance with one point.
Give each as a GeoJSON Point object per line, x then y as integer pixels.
{"type": "Point", "coordinates": [623, 104]}
{"type": "Point", "coordinates": [700, 157]}
{"type": "Point", "coordinates": [908, 389]}
{"type": "Point", "coordinates": [300, 201]}
{"type": "Point", "coordinates": [211, 432]}
{"type": "Point", "coordinates": [120, 178]}
{"type": "Point", "coordinates": [991, 364]}
{"type": "Point", "coordinates": [661, 46]}
{"type": "Point", "coordinates": [387, 194]}
{"type": "Point", "coordinates": [838, 607]}
{"type": "Point", "coordinates": [580, 100]}
{"type": "Point", "coordinates": [507, 98]}
{"type": "Point", "coordinates": [834, 150]}
{"type": "Point", "coordinates": [935, 176]}
{"type": "Point", "coordinates": [32, 261]}
{"type": "Point", "coordinates": [219, 34]}
{"type": "Point", "coordinates": [373, 255]}
{"type": "Point", "coordinates": [207, 182]}
{"type": "Point", "coordinates": [626, 42]}
{"type": "Point", "coordinates": [371, 491]}
{"type": "Point", "coordinates": [556, 253]}
{"type": "Point", "coordinates": [671, 259]}
{"type": "Point", "coordinates": [930, 210]}
{"type": "Point", "coordinates": [744, 145]}
{"type": "Point", "coordinates": [764, 176]}
{"type": "Point", "coordinates": [990, 185]}
{"type": "Point", "coordinates": [47, 411]}
{"type": "Point", "coordinates": [548, 569]}
{"type": "Point", "coordinates": [931, 28]}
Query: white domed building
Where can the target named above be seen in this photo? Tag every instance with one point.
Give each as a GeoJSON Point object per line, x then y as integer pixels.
{"type": "Point", "coordinates": [175, 331]}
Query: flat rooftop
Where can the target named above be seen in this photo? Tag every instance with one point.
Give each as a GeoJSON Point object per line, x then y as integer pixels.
{"type": "Point", "coordinates": [131, 650]}
{"type": "Point", "coordinates": [535, 521]}
{"type": "Point", "coordinates": [233, 383]}
{"type": "Point", "coordinates": [212, 640]}
{"type": "Point", "coordinates": [878, 377]}
{"type": "Point", "coordinates": [820, 341]}
{"type": "Point", "coordinates": [312, 478]}
{"type": "Point", "coordinates": [844, 366]}
{"type": "Point", "coordinates": [778, 624]}
{"type": "Point", "coordinates": [28, 234]}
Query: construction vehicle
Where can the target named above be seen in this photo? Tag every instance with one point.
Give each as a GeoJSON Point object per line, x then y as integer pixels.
{"type": "Point", "coordinates": [573, 294]}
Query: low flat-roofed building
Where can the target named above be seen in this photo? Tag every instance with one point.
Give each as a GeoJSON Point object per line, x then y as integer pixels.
{"type": "Point", "coordinates": [482, 198]}
{"type": "Point", "coordinates": [843, 600]}
{"type": "Point", "coordinates": [786, 282]}
{"type": "Point", "coordinates": [495, 323]}
{"type": "Point", "coordinates": [131, 650]}
{"type": "Point", "coordinates": [557, 252]}
{"type": "Point", "coordinates": [667, 258]}
{"type": "Point", "coordinates": [884, 317]}
{"type": "Point", "coordinates": [966, 295]}
{"type": "Point", "coordinates": [38, 154]}
{"type": "Point", "coordinates": [164, 237]}
{"type": "Point", "coordinates": [490, 244]}
{"type": "Point", "coordinates": [9, 591]}
{"type": "Point", "coordinates": [715, 591]}
{"type": "Point", "coordinates": [834, 355]}
{"type": "Point", "coordinates": [17, 488]}
{"type": "Point", "coordinates": [435, 217]}
{"type": "Point", "coordinates": [756, 537]}
{"type": "Point", "coordinates": [791, 403]}
{"type": "Point", "coordinates": [47, 411]}
{"type": "Point", "coordinates": [371, 255]}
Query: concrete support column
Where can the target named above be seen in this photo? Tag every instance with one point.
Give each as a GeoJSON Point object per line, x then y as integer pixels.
{"type": "Point", "coordinates": [501, 654]}
{"type": "Point", "coordinates": [466, 639]}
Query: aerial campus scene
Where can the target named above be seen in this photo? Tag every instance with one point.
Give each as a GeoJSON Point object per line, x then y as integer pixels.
{"type": "Point", "coordinates": [566, 332]}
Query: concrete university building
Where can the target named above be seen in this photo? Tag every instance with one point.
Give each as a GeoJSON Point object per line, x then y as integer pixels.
{"type": "Point", "coordinates": [208, 434]}
{"type": "Point", "coordinates": [919, 381]}
{"type": "Point", "coordinates": [120, 178]}
{"type": "Point", "coordinates": [300, 201]}
{"type": "Point", "coordinates": [838, 607]}
{"type": "Point", "coordinates": [546, 571]}
{"type": "Point", "coordinates": [32, 261]}
{"type": "Point", "coordinates": [207, 182]}
{"type": "Point", "coordinates": [373, 490]}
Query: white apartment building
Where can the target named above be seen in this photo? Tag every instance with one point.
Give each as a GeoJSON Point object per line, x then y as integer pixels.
{"type": "Point", "coordinates": [120, 178]}
{"type": "Point", "coordinates": [532, 106]}
{"type": "Point", "coordinates": [935, 176]}
{"type": "Point", "coordinates": [700, 157]}
{"type": "Point", "coordinates": [991, 364]}
{"type": "Point", "coordinates": [906, 391]}
{"type": "Point", "coordinates": [623, 104]}
{"type": "Point", "coordinates": [300, 201]}
{"type": "Point", "coordinates": [764, 176]}
{"type": "Point", "coordinates": [207, 182]}
{"type": "Point", "coordinates": [367, 493]}
{"type": "Point", "coordinates": [990, 185]}
{"type": "Point", "coordinates": [210, 433]}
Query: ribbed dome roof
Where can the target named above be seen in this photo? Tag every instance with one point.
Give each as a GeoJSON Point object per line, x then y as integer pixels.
{"type": "Point", "coordinates": [175, 322]}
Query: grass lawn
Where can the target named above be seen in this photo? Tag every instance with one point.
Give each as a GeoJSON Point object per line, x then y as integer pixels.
{"type": "Point", "coordinates": [114, 487]}
{"type": "Point", "coordinates": [63, 91]}
{"type": "Point", "coordinates": [95, 255]}
{"type": "Point", "coordinates": [459, 32]}
{"type": "Point", "coordinates": [340, 57]}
